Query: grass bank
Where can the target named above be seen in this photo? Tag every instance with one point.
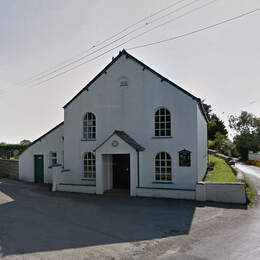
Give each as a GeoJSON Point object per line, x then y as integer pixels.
{"type": "Point", "coordinates": [222, 171]}
{"type": "Point", "coordinates": [250, 193]}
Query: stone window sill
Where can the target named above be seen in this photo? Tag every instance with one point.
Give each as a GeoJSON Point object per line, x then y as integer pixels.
{"type": "Point", "coordinates": [163, 182]}
{"type": "Point", "coordinates": [162, 137]}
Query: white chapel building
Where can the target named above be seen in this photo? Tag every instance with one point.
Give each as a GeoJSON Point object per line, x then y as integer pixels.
{"type": "Point", "coordinates": [128, 128]}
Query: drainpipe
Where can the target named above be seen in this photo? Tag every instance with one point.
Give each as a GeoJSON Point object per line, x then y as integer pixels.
{"type": "Point", "coordinates": [138, 173]}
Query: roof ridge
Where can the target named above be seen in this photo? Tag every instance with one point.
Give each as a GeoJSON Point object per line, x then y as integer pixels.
{"type": "Point", "coordinates": [128, 55]}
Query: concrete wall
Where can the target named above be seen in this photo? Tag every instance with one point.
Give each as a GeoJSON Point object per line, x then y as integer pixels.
{"type": "Point", "coordinates": [254, 156]}
{"type": "Point", "coordinates": [131, 109]}
{"type": "Point", "coordinates": [10, 167]}
{"type": "Point", "coordinates": [53, 142]}
{"type": "Point", "coordinates": [228, 192]}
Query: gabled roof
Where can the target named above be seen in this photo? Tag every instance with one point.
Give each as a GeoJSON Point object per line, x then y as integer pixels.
{"type": "Point", "coordinates": [124, 52]}
{"type": "Point", "coordinates": [125, 137]}
{"type": "Point", "coordinates": [38, 139]}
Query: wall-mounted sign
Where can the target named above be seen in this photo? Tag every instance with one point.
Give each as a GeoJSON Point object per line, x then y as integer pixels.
{"type": "Point", "coordinates": [115, 143]}
{"type": "Point", "coordinates": [184, 158]}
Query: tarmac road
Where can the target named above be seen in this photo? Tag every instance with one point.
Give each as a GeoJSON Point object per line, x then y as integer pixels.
{"type": "Point", "coordinates": [36, 223]}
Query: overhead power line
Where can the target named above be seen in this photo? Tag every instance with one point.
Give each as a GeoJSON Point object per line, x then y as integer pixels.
{"type": "Point", "coordinates": [153, 43]}
{"type": "Point", "coordinates": [196, 31]}
{"type": "Point", "coordinates": [121, 44]}
{"type": "Point", "coordinates": [114, 41]}
{"type": "Point", "coordinates": [104, 41]}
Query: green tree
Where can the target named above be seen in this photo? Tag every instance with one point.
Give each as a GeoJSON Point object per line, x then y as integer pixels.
{"type": "Point", "coordinates": [207, 108]}
{"type": "Point", "coordinates": [247, 127]}
{"type": "Point", "coordinates": [25, 142]}
{"type": "Point", "coordinates": [216, 126]}
{"type": "Point", "coordinates": [224, 145]}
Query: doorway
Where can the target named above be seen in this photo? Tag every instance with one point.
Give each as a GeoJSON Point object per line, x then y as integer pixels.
{"type": "Point", "coordinates": [38, 168]}
{"type": "Point", "coordinates": [121, 171]}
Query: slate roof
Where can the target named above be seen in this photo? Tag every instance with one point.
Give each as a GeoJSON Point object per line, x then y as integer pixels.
{"type": "Point", "coordinates": [123, 52]}
{"type": "Point", "coordinates": [125, 137]}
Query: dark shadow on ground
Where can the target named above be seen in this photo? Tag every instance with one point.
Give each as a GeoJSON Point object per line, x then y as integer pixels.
{"type": "Point", "coordinates": [39, 220]}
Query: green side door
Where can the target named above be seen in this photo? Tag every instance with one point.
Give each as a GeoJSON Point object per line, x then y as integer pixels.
{"type": "Point", "coordinates": [38, 168]}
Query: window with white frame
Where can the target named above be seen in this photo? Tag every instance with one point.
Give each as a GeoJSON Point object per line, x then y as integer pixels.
{"type": "Point", "coordinates": [163, 167]}
{"type": "Point", "coordinates": [162, 122]}
{"type": "Point", "coordinates": [89, 165]}
{"type": "Point", "coordinates": [53, 158]}
{"type": "Point", "coordinates": [89, 127]}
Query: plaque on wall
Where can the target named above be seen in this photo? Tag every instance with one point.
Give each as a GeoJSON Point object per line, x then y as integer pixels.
{"type": "Point", "coordinates": [184, 158]}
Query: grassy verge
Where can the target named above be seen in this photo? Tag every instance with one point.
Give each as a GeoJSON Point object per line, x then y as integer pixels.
{"type": "Point", "coordinates": [3, 175]}
{"type": "Point", "coordinates": [250, 193]}
{"type": "Point", "coordinates": [222, 171]}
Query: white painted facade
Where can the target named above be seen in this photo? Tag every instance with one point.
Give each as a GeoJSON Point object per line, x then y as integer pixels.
{"type": "Point", "coordinates": [130, 109]}
{"type": "Point", "coordinates": [51, 142]}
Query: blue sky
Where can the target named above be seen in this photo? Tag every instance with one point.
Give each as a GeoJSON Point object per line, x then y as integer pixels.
{"type": "Point", "coordinates": [220, 65]}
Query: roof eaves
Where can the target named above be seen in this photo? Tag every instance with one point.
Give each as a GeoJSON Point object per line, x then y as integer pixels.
{"type": "Point", "coordinates": [38, 139]}
{"type": "Point", "coordinates": [146, 67]}
{"type": "Point", "coordinates": [159, 75]}
{"type": "Point", "coordinates": [126, 138]}
{"type": "Point", "coordinates": [129, 140]}
{"type": "Point", "coordinates": [97, 76]}
{"type": "Point", "coordinates": [202, 109]}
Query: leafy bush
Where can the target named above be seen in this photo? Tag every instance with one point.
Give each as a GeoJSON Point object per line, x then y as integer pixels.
{"type": "Point", "coordinates": [3, 175]}
{"type": "Point", "coordinates": [250, 193]}
{"type": "Point", "coordinates": [211, 144]}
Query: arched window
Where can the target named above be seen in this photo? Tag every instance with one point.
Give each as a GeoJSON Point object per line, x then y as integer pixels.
{"type": "Point", "coordinates": [162, 122]}
{"type": "Point", "coordinates": [163, 167]}
{"type": "Point", "coordinates": [89, 127]}
{"type": "Point", "coordinates": [89, 166]}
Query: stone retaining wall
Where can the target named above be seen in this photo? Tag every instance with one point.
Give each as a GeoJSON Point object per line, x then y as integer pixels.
{"type": "Point", "coordinates": [10, 167]}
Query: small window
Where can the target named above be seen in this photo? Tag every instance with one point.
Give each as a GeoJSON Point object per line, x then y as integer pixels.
{"type": "Point", "coordinates": [53, 158]}
{"type": "Point", "coordinates": [89, 165]}
{"type": "Point", "coordinates": [89, 127]}
{"type": "Point", "coordinates": [163, 167]}
{"type": "Point", "coordinates": [123, 83]}
{"type": "Point", "coordinates": [162, 122]}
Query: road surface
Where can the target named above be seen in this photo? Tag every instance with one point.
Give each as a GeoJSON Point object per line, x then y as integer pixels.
{"type": "Point", "coordinates": [36, 223]}
{"type": "Point", "coordinates": [252, 173]}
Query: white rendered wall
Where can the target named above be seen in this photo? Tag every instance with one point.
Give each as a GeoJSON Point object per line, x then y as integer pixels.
{"type": "Point", "coordinates": [202, 129]}
{"type": "Point", "coordinates": [50, 143]}
{"type": "Point", "coordinates": [131, 109]}
{"type": "Point", "coordinates": [164, 193]}
{"type": "Point", "coordinates": [228, 192]}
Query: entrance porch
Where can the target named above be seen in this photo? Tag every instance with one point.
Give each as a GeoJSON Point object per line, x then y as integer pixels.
{"type": "Point", "coordinates": [117, 163]}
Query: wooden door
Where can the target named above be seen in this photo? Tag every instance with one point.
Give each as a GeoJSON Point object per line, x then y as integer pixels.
{"type": "Point", "coordinates": [38, 168]}
{"type": "Point", "coordinates": [121, 171]}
